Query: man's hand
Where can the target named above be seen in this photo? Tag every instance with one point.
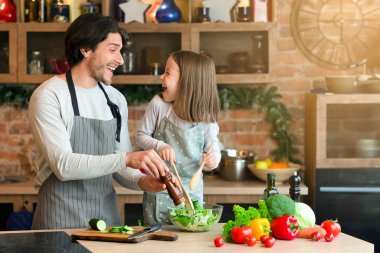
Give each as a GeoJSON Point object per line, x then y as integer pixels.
{"type": "Point", "coordinates": [167, 154]}
{"type": "Point", "coordinates": [147, 160]}
{"type": "Point", "coordinates": [151, 184]}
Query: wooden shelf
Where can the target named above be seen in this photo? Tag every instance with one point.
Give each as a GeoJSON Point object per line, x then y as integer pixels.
{"type": "Point", "coordinates": [48, 37]}
{"type": "Point", "coordinates": [11, 76]}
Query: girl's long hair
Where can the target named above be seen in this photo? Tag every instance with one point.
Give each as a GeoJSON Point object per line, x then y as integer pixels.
{"type": "Point", "coordinates": [197, 99]}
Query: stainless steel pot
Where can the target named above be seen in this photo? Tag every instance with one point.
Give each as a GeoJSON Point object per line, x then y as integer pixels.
{"type": "Point", "coordinates": [233, 165]}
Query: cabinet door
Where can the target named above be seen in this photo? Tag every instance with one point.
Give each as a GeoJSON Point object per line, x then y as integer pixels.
{"type": "Point", "coordinates": [48, 38]}
{"type": "Point", "coordinates": [152, 43]}
{"type": "Point", "coordinates": [236, 51]}
{"type": "Point", "coordinates": [8, 53]}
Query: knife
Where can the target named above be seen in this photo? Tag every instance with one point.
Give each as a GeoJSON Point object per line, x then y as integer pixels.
{"type": "Point", "coordinates": [152, 228]}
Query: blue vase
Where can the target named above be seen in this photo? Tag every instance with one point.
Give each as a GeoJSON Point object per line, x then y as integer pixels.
{"type": "Point", "coordinates": [168, 12]}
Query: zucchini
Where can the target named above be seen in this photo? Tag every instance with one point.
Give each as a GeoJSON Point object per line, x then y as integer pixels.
{"type": "Point", "coordinates": [97, 224]}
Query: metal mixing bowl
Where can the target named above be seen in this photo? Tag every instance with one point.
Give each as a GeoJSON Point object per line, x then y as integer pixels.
{"type": "Point", "coordinates": [233, 166]}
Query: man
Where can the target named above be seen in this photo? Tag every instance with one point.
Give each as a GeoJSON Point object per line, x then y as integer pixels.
{"type": "Point", "coordinates": [79, 123]}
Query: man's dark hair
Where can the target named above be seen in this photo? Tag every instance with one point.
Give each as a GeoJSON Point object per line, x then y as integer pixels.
{"type": "Point", "coordinates": [87, 31]}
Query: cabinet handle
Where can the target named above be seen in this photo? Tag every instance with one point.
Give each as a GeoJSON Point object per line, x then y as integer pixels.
{"type": "Point", "coordinates": [330, 189]}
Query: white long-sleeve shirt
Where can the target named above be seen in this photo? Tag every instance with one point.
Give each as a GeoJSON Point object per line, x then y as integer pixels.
{"type": "Point", "coordinates": [155, 112]}
{"type": "Point", "coordinates": [51, 118]}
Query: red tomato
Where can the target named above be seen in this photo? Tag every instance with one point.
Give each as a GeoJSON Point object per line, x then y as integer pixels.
{"type": "Point", "coordinates": [240, 234]}
{"type": "Point", "coordinates": [329, 237]}
{"type": "Point", "coordinates": [331, 227]}
{"type": "Point", "coordinates": [251, 241]}
{"type": "Point", "coordinates": [269, 241]}
{"type": "Point", "coordinates": [263, 237]}
{"type": "Point", "coordinates": [218, 242]}
{"type": "Point", "coordinates": [316, 236]}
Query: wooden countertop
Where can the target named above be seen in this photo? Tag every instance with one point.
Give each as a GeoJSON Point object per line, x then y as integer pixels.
{"type": "Point", "coordinates": [203, 242]}
{"type": "Point", "coordinates": [213, 185]}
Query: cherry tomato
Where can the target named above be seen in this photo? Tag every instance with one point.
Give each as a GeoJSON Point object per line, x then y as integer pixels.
{"type": "Point", "coordinates": [240, 234]}
{"type": "Point", "coordinates": [263, 237]}
{"type": "Point", "coordinates": [251, 241]}
{"type": "Point", "coordinates": [218, 242]}
{"type": "Point", "coordinates": [316, 236]}
{"type": "Point", "coordinates": [329, 237]}
{"type": "Point", "coordinates": [331, 227]}
{"type": "Point", "coordinates": [269, 241]}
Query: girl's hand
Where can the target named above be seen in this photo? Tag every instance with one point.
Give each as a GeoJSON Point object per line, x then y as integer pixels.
{"type": "Point", "coordinates": [167, 154]}
{"type": "Point", "coordinates": [210, 160]}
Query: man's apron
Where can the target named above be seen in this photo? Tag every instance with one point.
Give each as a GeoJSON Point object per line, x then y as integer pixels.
{"type": "Point", "coordinates": [71, 204]}
{"type": "Point", "coordinates": [188, 147]}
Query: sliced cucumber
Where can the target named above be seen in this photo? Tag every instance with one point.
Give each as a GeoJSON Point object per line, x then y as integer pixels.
{"type": "Point", "coordinates": [97, 224]}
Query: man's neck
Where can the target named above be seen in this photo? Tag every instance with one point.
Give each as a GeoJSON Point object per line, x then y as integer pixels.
{"type": "Point", "coordinates": [82, 78]}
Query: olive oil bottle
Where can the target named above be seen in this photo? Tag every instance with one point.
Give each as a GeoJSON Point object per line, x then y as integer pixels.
{"type": "Point", "coordinates": [271, 186]}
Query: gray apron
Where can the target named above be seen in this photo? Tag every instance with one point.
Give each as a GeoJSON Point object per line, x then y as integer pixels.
{"type": "Point", "coordinates": [188, 147]}
{"type": "Point", "coordinates": [71, 204]}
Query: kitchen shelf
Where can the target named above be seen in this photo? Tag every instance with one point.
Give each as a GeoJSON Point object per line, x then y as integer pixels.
{"type": "Point", "coordinates": [36, 36]}
{"type": "Point", "coordinates": [8, 70]}
{"type": "Point", "coordinates": [335, 127]}
{"type": "Point", "coordinates": [217, 38]}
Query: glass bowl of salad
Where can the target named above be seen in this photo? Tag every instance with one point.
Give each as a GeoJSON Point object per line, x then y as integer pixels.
{"type": "Point", "coordinates": [199, 219]}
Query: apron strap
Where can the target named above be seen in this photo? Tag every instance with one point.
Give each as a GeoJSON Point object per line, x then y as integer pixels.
{"type": "Point", "coordinates": [169, 111]}
{"type": "Point", "coordinates": [73, 95]}
{"type": "Point", "coordinates": [115, 112]}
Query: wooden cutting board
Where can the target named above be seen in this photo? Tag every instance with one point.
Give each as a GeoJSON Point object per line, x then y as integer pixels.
{"type": "Point", "coordinates": [94, 235]}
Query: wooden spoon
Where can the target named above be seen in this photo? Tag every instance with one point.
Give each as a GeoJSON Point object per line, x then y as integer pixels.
{"type": "Point", "coordinates": [195, 179]}
{"type": "Point", "coordinates": [188, 202]}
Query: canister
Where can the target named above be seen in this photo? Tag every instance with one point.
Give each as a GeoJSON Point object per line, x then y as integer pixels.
{"type": "Point", "coordinates": [60, 13]}
{"type": "Point", "coordinates": [90, 7]}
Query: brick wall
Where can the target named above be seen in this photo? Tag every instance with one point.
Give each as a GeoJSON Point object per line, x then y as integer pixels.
{"type": "Point", "coordinates": [243, 129]}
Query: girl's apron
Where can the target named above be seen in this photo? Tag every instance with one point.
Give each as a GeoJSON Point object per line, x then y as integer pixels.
{"type": "Point", "coordinates": [71, 204]}
{"type": "Point", "coordinates": [188, 147]}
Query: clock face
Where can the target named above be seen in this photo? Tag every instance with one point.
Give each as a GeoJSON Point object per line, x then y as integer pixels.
{"type": "Point", "coordinates": [338, 34]}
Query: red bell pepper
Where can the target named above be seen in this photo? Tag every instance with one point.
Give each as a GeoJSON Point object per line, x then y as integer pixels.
{"type": "Point", "coordinates": [285, 227]}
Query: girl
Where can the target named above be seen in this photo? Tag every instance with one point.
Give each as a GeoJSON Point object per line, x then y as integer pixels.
{"type": "Point", "coordinates": [180, 124]}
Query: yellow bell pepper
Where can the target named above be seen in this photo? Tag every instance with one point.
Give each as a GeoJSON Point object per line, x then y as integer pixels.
{"type": "Point", "coordinates": [260, 227]}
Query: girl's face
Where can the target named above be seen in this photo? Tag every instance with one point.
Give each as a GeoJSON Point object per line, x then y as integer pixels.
{"type": "Point", "coordinates": [169, 80]}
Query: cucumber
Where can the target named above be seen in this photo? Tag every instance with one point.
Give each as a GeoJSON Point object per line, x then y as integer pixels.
{"type": "Point", "coordinates": [97, 224]}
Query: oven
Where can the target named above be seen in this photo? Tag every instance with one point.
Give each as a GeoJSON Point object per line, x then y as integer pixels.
{"type": "Point", "coordinates": [353, 197]}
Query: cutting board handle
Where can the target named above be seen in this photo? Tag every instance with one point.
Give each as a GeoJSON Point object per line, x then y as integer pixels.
{"type": "Point", "coordinates": [161, 236]}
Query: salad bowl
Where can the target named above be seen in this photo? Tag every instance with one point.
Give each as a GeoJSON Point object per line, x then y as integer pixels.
{"type": "Point", "coordinates": [200, 219]}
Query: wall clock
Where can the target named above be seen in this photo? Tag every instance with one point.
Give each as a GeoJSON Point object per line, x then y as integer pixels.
{"type": "Point", "coordinates": [337, 34]}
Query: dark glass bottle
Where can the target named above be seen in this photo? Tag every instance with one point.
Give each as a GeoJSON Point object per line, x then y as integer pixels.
{"type": "Point", "coordinates": [271, 186]}
{"type": "Point", "coordinates": [295, 189]}
{"type": "Point", "coordinates": [174, 192]}
{"type": "Point", "coordinates": [42, 11]}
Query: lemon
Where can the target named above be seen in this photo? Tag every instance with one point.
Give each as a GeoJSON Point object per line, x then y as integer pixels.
{"type": "Point", "coordinates": [261, 164]}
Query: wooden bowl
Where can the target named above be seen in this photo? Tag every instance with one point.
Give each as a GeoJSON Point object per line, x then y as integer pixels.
{"type": "Point", "coordinates": [282, 175]}
{"type": "Point", "coordinates": [341, 84]}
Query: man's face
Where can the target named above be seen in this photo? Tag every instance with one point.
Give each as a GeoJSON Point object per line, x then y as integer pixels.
{"type": "Point", "coordinates": [103, 61]}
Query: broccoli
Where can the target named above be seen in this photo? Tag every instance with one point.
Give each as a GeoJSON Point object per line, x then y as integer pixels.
{"type": "Point", "coordinates": [280, 205]}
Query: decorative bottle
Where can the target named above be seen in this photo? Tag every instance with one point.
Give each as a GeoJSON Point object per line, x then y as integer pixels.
{"type": "Point", "coordinates": [36, 63]}
{"type": "Point", "coordinates": [8, 11]}
{"type": "Point", "coordinates": [129, 57]}
{"type": "Point", "coordinates": [174, 192]}
{"type": "Point", "coordinates": [168, 12]}
{"type": "Point", "coordinates": [295, 190]}
{"type": "Point", "coordinates": [271, 186]}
